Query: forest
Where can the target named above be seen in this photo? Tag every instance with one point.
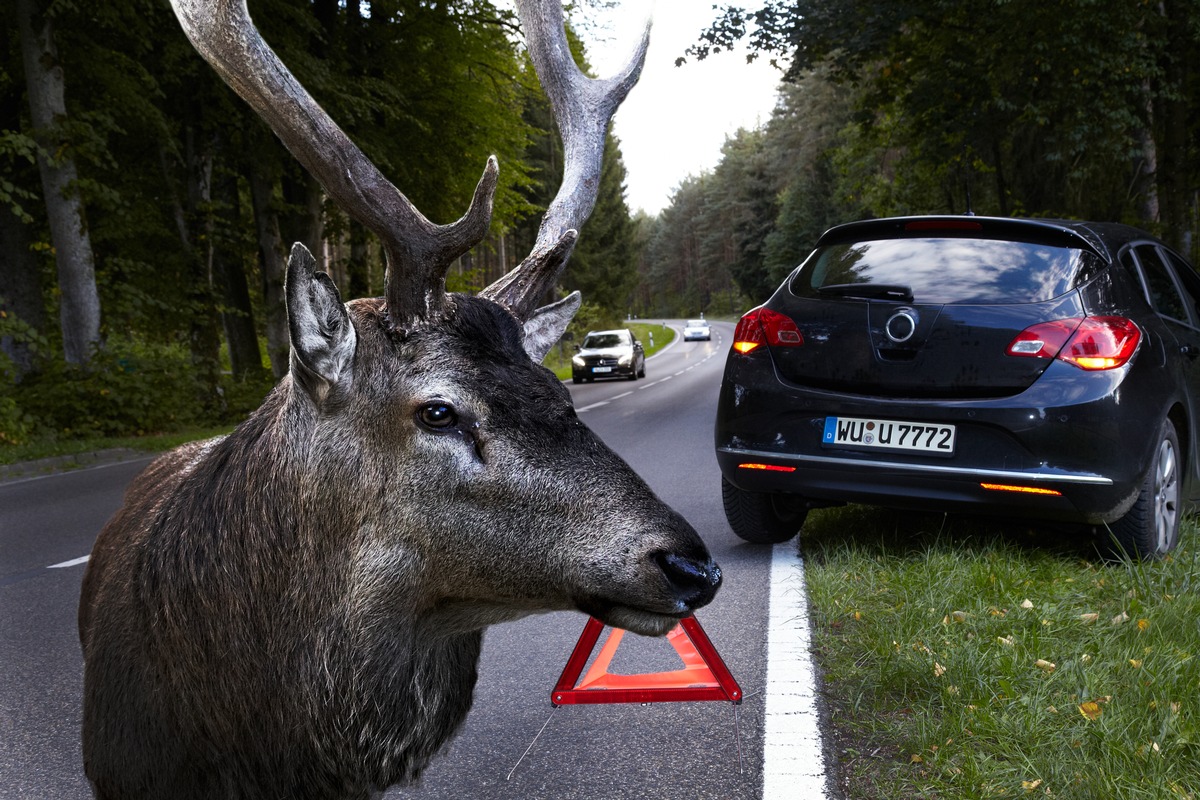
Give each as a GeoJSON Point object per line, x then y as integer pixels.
{"type": "Point", "coordinates": [145, 212]}
{"type": "Point", "coordinates": [1075, 109]}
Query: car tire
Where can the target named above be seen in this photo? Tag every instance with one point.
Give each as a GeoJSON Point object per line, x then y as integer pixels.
{"type": "Point", "coordinates": [760, 517]}
{"type": "Point", "coordinates": [576, 380]}
{"type": "Point", "coordinates": [1150, 529]}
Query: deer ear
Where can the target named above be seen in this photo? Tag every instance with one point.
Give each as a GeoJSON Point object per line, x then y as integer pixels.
{"type": "Point", "coordinates": [323, 340]}
{"type": "Point", "coordinates": [548, 324]}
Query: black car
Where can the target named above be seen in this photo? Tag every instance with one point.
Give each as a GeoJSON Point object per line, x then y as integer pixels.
{"type": "Point", "coordinates": [609, 354]}
{"type": "Point", "coordinates": [1028, 368]}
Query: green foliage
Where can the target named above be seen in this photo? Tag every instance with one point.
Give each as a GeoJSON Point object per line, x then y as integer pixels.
{"type": "Point", "coordinates": [130, 387]}
{"type": "Point", "coordinates": [603, 265]}
{"type": "Point", "coordinates": [184, 187]}
{"type": "Point", "coordinates": [1072, 109]}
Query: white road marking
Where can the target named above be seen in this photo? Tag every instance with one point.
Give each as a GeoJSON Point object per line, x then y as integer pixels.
{"type": "Point", "coordinates": [591, 406]}
{"type": "Point", "coordinates": [793, 755]}
{"type": "Point", "coordinates": [74, 562]}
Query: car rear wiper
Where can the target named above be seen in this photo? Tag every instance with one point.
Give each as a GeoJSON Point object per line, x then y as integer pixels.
{"type": "Point", "coordinates": [869, 291]}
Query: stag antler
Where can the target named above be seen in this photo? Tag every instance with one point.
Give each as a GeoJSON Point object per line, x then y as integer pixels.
{"type": "Point", "coordinates": [582, 109]}
{"type": "Point", "coordinates": [419, 252]}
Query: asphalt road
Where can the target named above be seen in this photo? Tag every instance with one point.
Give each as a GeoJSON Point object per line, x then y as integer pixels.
{"type": "Point", "coordinates": [662, 425]}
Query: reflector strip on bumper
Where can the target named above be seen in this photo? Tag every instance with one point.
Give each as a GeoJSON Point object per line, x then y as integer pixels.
{"type": "Point", "coordinates": [767, 467]}
{"type": "Point", "coordinates": [940, 469]}
{"type": "Point", "coordinates": [1004, 487]}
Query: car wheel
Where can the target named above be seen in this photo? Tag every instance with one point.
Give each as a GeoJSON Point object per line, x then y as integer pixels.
{"type": "Point", "coordinates": [760, 517]}
{"type": "Point", "coordinates": [1150, 529]}
{"type": "Point", "coordinates": [576, 379]}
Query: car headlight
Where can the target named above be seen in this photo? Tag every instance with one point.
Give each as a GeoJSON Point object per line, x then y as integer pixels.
{"type": "Point", "coordinates": [625, 361]}
{"type": "Point", "coordinates": [578, 361]}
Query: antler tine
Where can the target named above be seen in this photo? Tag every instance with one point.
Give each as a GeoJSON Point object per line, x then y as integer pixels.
{"type": "Point", "coordinates": [418, 251]}
{"type": "Point", "coordinates": [583, 108]}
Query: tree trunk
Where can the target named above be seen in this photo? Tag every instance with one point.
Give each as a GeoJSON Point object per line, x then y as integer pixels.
{"type": "Point", "coordinates": [20, 288]}
{"type": "Point", "coordinates": [271, 259]}
{"type": "Point", "coordinates": [305, 220]}
{"type": "Point", "coordinates": [229, 278]}
{"type": "Point", "coordinates": [1172, 105]}
{"type": "Point", "coordinates": [203, 338]}
{"type": "Point", "coordinates": [1146, 169]}
{"type": "Point", "coordinates": [358, 268]}
{"type": "Point", "coordinates": [79, 307]}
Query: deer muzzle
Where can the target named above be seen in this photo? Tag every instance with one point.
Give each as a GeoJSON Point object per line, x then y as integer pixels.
{"type": "Point", "coordinates": [694, 582]}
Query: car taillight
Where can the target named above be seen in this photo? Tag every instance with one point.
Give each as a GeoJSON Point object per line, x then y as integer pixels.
{"type": "Point", "coordinates": [763, 326]}
{"type": "Point", "coordinates": [1092, 343]}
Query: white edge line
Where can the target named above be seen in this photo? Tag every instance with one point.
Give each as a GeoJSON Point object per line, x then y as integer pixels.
{"type": "Point", "coordinates": [58, 473]}
{"type": "Point", "coordinates": [74, 562]}
{"type": "Point", "coordinates": [793, 753]}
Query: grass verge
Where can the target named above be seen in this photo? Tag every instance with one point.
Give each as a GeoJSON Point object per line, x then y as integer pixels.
{"type": "Point", "coordinates": [40, 449]}
{"type": "Point", "coordinates": [969, 659]}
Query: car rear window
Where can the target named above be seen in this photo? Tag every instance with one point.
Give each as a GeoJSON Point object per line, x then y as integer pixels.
{"type": "Point", "coordinates": [945, 270]}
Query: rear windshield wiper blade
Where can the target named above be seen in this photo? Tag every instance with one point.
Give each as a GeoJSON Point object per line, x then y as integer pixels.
{"type": "Point", "coordinates": [869, 291]}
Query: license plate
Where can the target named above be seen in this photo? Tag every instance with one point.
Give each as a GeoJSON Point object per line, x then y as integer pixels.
{"type": "Point", "coordinates": [601, 369]}
{"type": "Point", "coordinates": [889, 434]}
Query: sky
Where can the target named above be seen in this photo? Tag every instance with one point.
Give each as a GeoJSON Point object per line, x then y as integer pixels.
{"type": "Point", "coordinates": [676, 119]}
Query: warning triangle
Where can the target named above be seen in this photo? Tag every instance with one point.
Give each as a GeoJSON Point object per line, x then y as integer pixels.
{"type": "Point", "coordinates": [704, 675]}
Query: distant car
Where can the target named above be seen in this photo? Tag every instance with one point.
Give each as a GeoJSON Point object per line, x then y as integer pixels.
{"type": "Point", "coordinates": [697, 329]}
{"type": "Point", "coordinates": [1025, 368]}
{"type": "Point", "coordinates": [609, 354]}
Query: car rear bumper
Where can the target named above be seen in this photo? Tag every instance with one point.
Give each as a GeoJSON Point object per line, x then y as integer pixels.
{"type": "Point", "coordinates": [1044, 453]}
{"type": "Point", "coordinates": [1051, 495]}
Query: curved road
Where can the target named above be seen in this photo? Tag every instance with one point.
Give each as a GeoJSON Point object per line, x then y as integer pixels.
{"type": "Point", "coordinates": [662, 425]}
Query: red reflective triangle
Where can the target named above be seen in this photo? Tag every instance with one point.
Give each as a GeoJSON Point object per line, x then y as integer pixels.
{"type": "Point", "coordinates": [704, 675]}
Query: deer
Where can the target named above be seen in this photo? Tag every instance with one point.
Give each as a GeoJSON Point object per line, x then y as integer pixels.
{"type": "Point", "coordinates": [296, 609]}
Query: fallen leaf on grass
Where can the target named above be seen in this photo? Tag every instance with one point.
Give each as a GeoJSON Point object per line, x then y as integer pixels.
{"type": "Point", "coordinates": [1089, 618]}
{"type": "Point", "coordinates": [1044, 665]}
{"type": "Point", "coordinates": [1120, 619]}
{"type": "Point", "coordinates": [1090, 709]}
{"type": "Point", "coordinates": [1143, 624]}
{"type": "Point", "coordinates": [1007, 641]}
{"type": "Point", "coordinates": [1026, 603]}
{"type": "Point", "coordinates": [938, 670]}
{"type": "Point", "coordinates": [1029, 786]}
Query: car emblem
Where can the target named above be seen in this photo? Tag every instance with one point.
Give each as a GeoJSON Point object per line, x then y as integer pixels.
{"type": "Point", "coordinates": [901, 326]}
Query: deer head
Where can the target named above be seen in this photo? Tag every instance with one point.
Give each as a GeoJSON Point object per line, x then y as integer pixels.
{"type": "Point", "coordinates": [431, 330]}
{"type": "Point", "coordinates": [296, 609]}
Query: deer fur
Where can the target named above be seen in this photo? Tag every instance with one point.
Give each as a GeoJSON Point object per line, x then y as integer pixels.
{"type": "Point", "coordinates": [295, 610]}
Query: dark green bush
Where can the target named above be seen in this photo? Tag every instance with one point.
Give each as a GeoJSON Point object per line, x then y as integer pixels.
{"type": "Point", "coordinates": [128, 388]}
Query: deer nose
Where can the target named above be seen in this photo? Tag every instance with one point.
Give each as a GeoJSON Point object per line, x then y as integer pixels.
{"type": "Point", "coordinates": [695, 582]}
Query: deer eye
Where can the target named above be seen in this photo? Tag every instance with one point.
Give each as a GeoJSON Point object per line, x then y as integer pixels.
{"type": "Point", "coordinates": [437, 416]}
